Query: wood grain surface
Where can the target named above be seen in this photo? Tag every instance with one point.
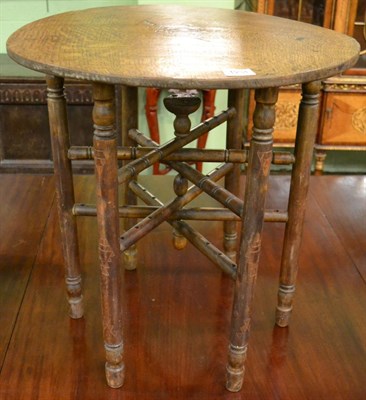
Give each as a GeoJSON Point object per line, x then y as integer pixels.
{"type": "Point", "coordinates": [23, 217]}
{"type": "Point", "coordinates": [344, 220]}
{"type": "Point", "coordinates": [177, 306]}
{"type": "Point", "coordinates": [181, 47]}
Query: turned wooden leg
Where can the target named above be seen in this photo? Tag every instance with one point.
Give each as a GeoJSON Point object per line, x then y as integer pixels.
{"type": "Point", "coordinates": [65, 193]}
{"type": "Point", "coordinates": [306, 132]}
{"type": "Point", "coordinates": [105, 158]}
{"type": "Point", "coordinates": [129, 121]}
{"type": "Point", "coordinates": [320, 156]}
{"type": "Point", "coordinates": [260, 156]}
{"type": "Point", "coordinates": [234, 137]}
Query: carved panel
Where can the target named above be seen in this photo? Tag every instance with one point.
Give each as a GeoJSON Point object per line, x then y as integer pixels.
{"type": "Point", "coordinates": [13, 94]}
{"type": "Point", "coordinates": [35, 93]}
{"type": "Point", "coordinates": [24, 129]}
{"type": "Point", "coordinates": [344, 119]}
{"type": "Point", "coordinates": [345, 87]}
{"type": "Point", "coordinates": [286, 115]}
{"type": "Point", "coordinates": [359, 120]}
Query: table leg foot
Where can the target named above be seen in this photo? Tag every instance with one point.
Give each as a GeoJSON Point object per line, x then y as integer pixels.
{"type": "Point", "coordinates": [235, 368]}
{"type": "Point", "coordinates": [76, 309]}
{"type": "Point", "coordinates": [115, 375]}
{"type": "Point", "coordinates": [114, 367]}
{"type": "Point", "coordinates": [284, 307]}
{"type": "Point", "coordinates": [74, 297]}
{"type": "Point", "coordinates": [179, 241]}
{"type": "Point", "coordinates": [283, 317]}
{"type": "Point", "coordinates": [129, 258]}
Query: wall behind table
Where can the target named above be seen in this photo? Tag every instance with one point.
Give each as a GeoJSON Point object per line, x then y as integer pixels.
{"type": "Point", "coordinates": [16, 13]}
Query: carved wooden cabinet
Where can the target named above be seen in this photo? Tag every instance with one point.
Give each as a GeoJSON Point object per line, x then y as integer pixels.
{"type": "Point", "coordinates": [24, 129]}
{"type": "Point", "coordinates": [343, 118]}
{"type": "Point", "coordinates": [342, 123]}
{"type": "Point", "coordinates": [24, 132]}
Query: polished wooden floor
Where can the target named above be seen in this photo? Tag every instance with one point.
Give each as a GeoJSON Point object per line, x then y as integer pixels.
{"type": "Point", "coordinates": [177, 306]}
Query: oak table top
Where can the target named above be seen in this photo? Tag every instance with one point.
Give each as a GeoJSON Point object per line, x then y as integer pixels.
{"type": "Point", "coordinates": [181, 47]}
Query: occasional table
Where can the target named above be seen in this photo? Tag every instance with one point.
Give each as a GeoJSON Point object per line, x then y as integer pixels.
{"type": "Point", "coordinates": [181, 48]}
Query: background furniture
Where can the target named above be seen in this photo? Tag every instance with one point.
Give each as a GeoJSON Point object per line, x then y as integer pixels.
{"type": "Point", "coordinates": [342, 123]}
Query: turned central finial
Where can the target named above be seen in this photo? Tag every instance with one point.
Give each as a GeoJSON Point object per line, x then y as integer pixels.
{"type": "Point", "coordinates": [182, 103]}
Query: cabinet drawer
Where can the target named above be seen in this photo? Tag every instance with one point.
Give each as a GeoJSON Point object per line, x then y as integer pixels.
{"type": "Point", "coordinates": [344, 119]}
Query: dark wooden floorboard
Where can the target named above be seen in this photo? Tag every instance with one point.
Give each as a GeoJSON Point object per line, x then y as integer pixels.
{"type": "Point", "coordinates": [177, 312]}
{"type": "Point", "coordinates": [327, 345]}
{"type": "Point", "coordinates": [343, 201]}
{"type": "Point", "coordinates": [23, 216]}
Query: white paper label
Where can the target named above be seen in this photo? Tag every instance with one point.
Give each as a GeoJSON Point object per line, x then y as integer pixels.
{"type": "Point", "coordinates": [238, 72]}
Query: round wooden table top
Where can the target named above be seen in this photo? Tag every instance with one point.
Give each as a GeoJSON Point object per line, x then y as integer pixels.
{"type": "Point", "coordinates": [181, 47]}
